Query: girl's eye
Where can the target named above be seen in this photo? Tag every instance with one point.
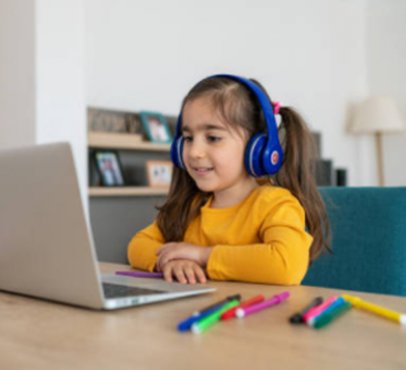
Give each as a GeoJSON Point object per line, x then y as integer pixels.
{"type": "Point", "coordinates": [213, 139]}
{"type": "Point", "coordinates": [187, 138]}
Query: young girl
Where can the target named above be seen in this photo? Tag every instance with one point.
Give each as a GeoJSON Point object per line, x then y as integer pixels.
{"type": "Point", "coordinates": [219, 219]}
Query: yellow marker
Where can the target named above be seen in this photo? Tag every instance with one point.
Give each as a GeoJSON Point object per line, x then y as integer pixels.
{"type": "Point", "coordinates": [378, 310]}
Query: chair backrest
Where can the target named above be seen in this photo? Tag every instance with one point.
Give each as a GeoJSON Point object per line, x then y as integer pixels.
{"type": "Point", "coordinates": [368, 227]}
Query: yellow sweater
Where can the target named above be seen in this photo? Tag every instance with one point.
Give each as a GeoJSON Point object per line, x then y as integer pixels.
{"type": "Point", "coordinates": [261, 240]}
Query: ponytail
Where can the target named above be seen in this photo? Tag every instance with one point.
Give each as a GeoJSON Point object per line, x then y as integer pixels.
{"type": "Point", "coordinates": [297, 175]}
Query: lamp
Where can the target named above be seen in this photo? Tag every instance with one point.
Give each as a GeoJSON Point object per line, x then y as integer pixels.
{"type": "Point", "coordinates": [377, 115]}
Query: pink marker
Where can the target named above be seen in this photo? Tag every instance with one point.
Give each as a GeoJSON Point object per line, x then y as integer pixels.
{"type": "Point", "coordinates": [315, 311]}
{"type": "Point", "coordinates": [245, 311]}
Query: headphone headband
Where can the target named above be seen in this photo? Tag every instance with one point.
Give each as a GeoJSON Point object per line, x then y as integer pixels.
{"type": "Point", "coordinates": [261, 96]}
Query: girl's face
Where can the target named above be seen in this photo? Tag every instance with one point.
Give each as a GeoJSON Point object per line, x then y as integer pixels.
{"type": "Point", "coordinates": [213, 151]}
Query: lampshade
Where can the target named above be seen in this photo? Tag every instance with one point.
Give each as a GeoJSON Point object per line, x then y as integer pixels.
{"type": "Point", "coordinates": [377, 114]}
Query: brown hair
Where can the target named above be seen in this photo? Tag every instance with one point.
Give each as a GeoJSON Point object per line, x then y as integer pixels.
{"type": "Point", "coordinates": [240, 108]}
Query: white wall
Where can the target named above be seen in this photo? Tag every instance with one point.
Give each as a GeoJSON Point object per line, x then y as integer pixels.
{"type": "Point", "coordinates": [312, 55]}
{"type": "Point", "coordinates": [42, 76]}
{"type": "Point", "coordinates": [60, 78]}
{"type": "Point", "coordinates": [17, 73]}
{"type": "Point", "coordinates": [386, 45]}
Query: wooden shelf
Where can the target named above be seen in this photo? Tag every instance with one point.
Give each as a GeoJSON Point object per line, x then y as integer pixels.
{"type": "Point", "coordinates": [123, 141]}
{"type": "Point", "coordinates": [126, 191]}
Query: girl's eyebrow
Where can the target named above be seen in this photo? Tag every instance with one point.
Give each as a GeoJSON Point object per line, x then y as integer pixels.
{"type": "Point", "coordinates": [204, 127]}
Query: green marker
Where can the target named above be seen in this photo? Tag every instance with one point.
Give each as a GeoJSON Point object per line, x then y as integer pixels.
{"type": "Point", "coordinates": [210, 320]}
{"type": "Point", "coordinates": [330, 316]}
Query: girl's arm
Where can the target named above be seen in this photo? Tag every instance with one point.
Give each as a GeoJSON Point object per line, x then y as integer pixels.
{"type": "Point", "coordinates": [143, 247]}
{"type": "Point", "coordinates": [182, 250]}
{"type": "Point", "coordinates": [282, 258]}
{"type": "Point", "coordinates": [279, 253]}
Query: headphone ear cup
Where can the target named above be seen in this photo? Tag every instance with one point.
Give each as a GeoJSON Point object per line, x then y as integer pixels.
{"type": "Point", "coordinates": [253, 155]}
{"type": "Point", "coordinates": [177, 152]}
{"type": "Point", "coordinates": [272, 158]}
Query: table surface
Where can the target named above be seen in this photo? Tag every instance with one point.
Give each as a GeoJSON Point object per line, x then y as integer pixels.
{"type": "Point", "coordinates": [36, 334]}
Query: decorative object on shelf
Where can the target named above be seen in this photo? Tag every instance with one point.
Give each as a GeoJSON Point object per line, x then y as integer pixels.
{"type": "Point", "coordinates": [106, 120]}
{"type": "Point", "coordinates": [377, 115]}
{"type": "Point", "coordinates": [341, 177]}
{"type": "Point", "coordinates": [324, 172]}
{"type": "Point", "coordinates": [156, 127]}
{"type": "Point", "coordinates": [133, 124]}
{"type": "Point", "coordinates": [99, 139]}
{"type": "Point", "coordinates": [159, 173]}
{"type": "Point", "coordinates": [109, 167]}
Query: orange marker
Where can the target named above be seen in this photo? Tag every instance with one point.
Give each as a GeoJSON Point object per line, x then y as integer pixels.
{"type": "Point", "coordinates": [229, 314]}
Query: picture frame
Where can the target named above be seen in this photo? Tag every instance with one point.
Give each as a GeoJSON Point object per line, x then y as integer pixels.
{"type": "Point", "coordinates": [159, 173]}
{"type": "Point", "coordinates": [109, 167]}
{"type": "Point", "coordinates": [156, 127]}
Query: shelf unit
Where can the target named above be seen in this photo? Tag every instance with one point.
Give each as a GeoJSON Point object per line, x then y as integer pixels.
{"type": "Point", "coordinates": [123, 141]}
{"type": "Point", "coordinates": [120, 141]}
{"type": "Point", "coordinates": [99, 191]}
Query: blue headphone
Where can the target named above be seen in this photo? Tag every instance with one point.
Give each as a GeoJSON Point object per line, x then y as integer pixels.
{"type": "Point", "coordinates": [263, 153]}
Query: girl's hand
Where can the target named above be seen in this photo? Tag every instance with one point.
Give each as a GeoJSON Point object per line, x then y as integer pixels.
{"type": "Point", "coordinates": [181, 250]}
{"type": "Point", "coordinates": [184, 271]}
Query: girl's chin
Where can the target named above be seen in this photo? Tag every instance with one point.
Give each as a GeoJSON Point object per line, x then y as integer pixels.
{"type": "Point", "coordinates": [205, 187]}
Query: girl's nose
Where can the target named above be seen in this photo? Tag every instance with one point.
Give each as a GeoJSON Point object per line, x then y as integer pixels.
{"type": "Point", "coordinates": [196, 149]}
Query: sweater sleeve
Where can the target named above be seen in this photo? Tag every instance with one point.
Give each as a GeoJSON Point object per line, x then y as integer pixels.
{"type": "Point", "coordinates": [142, 248]}
{"type": "Point", "coordinates": [282, 256]}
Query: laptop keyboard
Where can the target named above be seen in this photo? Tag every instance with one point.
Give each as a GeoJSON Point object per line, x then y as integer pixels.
{"type": "Point", "coordinates": [118, 291]}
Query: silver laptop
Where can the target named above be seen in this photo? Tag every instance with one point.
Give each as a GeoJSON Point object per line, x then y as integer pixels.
{"type": "Point", "coordinates": [46, 246]}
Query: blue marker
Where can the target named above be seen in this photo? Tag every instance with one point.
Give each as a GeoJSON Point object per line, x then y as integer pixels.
{"type": "Point", "coordinates": [186, 324]}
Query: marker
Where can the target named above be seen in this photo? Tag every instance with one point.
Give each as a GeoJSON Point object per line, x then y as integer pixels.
{"type": "Point", "coordinates": [220, 303]}
{"type": "Point", "coordinates": [340, 301]}
{"type": "Point", "coordinates": [249, 302]}
{"type": "Point", "coordinates": [337, 302]}
{"type": "Point", "coordinates": [377, 310]}
{"type": "Point", "coordinates": [241, 312]}
{"type": "Point", "coordinates": [186, 324]}
{"type": "Point", "coordinates": [297, 318]}
{"type": "Point", "coordinates": [326, 318]}
{"type": "Point", "coordinates": [141, 274]}
{"type": "Point", "coordinates": [318, 309]}
{"type": "Point", "coordinates": [214, 317]}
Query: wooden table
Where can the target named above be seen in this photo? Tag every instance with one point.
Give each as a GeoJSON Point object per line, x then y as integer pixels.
{"type": "Point", "coordinates": [36, 334]}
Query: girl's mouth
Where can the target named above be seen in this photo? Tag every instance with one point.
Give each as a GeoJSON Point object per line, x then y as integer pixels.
{"type": "Point", "coordinates": [202, 170]}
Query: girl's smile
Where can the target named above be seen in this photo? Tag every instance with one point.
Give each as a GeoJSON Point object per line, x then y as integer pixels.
{"type": "Point", "coordinates": [202, 171]}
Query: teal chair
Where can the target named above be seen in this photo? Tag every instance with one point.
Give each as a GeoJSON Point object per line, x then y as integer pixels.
{"type": "Point", "coordinates": [368, 226]}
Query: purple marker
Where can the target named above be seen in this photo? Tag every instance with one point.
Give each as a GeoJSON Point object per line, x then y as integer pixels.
{"type": "Point", "coordinates": [245, 311]}
{"type": "Point", "coordinates": [141, 274]}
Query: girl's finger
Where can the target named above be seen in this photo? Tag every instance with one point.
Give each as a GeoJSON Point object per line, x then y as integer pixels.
{"type": "Point", "coordinates": [190, 274]}
{"type": "Point", "coordinates": [166, 246]}
{"type": "Point", "coordinates": [199, 273]}
{"type": "Point", "coordinates": [180, 275]}
{"type": "Point", "coordinates": [167, 271]}
{"type": "Point", "coordinates": [163, 260]}
{"type": "Point", "coordinates": [158, 263]}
